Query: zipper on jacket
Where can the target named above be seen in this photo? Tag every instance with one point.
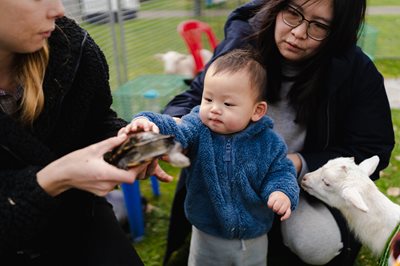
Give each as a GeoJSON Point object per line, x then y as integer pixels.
{"type": "Point", "coordinates": [228, 162]}
{"type": "Point", "coordinates": [228, 157]}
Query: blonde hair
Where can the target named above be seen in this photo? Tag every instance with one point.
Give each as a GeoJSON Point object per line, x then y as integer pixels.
{"type": "Point", "coordinates": [30, 73]}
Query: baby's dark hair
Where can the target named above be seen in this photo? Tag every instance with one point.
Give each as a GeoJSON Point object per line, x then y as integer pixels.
{"type": "Point", "coordinates": [247, 60]}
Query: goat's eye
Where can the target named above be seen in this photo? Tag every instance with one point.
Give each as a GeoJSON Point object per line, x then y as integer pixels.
{"type": "Point", "coordinates": [325, 182]}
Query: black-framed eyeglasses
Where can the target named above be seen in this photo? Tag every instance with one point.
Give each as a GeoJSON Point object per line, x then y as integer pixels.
{"type": "Point", "coordinates": [294, 18]}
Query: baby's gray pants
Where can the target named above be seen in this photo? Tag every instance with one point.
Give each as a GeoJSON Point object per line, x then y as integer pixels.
{"type": "Point", "coordinates": [209, 250]}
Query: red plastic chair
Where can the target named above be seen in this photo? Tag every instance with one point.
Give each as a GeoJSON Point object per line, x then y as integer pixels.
{"type": "Point", "coordinates": [192, 32]}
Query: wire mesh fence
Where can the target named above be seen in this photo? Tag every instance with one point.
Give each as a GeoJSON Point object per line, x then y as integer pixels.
{"type": "Point", "coordinates": [132, 32]}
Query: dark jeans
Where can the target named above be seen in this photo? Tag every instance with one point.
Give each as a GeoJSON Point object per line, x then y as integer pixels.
{"type": "Point", "coordinates": [278, 254]}
{"type": "Point", "coordinates": [84, 231]}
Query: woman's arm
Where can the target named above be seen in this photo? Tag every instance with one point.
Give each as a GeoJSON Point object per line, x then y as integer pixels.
{"type": "Point", "coordinates": [27, 195]}
{"type": "Point", "coordinates": [85, 169]}
{"type": "Point", "coordinates": [185, 132]}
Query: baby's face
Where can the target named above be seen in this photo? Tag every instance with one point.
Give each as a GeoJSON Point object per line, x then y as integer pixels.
{"type": "Point", "coordinates": [228, 102]}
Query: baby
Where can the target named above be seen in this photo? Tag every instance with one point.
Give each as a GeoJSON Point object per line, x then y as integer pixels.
{"type": "Point", "coordinates": [239, 174]}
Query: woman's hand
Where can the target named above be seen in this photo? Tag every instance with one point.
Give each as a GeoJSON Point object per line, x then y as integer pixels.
{"type": "Point", "coordinates": [155, 170]}
{"type": "Point", "coordinates": [86, 169]}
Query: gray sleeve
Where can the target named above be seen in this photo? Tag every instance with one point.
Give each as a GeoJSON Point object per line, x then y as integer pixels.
{"type": "Point", "coordinates": [304, 168]}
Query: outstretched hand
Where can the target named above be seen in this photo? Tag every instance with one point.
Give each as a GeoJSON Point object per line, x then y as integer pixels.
{"type": "Point", "coordinates": [86, 169]}
{"type": "Point", "coordinates": [280, 204]}
{"type": "Point", "coordinates": [139, 124]}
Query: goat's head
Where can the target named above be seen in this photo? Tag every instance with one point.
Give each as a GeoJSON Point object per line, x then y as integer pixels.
{"type": "Point", "coordinates": [176, 63]}
{"type": "Point", "coordinates": [340, 182]}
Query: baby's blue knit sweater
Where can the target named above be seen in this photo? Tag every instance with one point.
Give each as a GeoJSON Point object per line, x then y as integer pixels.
{"type": "Point", "coordinates": [231, 176]}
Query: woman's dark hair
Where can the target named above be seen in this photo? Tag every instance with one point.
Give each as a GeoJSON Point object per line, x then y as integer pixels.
{"type": "Point", "coordinates": [348, 17]}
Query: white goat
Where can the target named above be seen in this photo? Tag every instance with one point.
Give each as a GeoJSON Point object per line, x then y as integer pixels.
{"type": "Point", "coordinates": [344, 185]}
{"type": "Point", "coordinates": [181, 64]}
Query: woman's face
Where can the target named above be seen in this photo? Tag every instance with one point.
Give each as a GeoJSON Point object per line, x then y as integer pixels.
{"type": "Point", "coordinates": [26, 24]}
{"type": "Point", "coordinates": [294, 43]}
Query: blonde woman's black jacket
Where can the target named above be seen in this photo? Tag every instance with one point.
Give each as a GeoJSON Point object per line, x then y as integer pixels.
{"type": "Point", "coordinates": [353, 116]}
{"type": "Point", "coordinates": [76, 113]}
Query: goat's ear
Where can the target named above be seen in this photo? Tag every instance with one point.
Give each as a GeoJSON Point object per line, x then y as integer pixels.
{"type": "Point", "coordinates": [369, 165]}
{"type": "Point", "coordinates": [353, 196]}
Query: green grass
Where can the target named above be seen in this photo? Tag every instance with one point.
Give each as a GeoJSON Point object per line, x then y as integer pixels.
{"type": "Point", "coordinates": [151, 248]}
{"type": "Point", "coordinates": [186, 5]}
{"type": "Point", "coordinates": [388, 39]}
{"type": "Point", "coordinates": [390, 177]}
{"type": "Point", "coordinates": [383, 2]}
{"type": "Point", "coordinates": [166, 5]}
{"type": "Point", "coordinates": [386, 47]}
{"type": "Point", "coordinates": [390, 68]}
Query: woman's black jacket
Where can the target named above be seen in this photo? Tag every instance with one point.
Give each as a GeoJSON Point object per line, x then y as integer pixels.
{"type": "Point", "coordinates": [76, 113]}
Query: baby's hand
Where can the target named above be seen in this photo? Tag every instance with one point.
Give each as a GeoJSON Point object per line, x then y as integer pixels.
{"type": "Point", "coordinates": [280, 204]}
{"type": "Point", "coordinates": [139, 124]}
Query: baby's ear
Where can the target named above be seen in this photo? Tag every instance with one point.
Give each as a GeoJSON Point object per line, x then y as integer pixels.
{"type": "Point", "coordinates": [259, 111]}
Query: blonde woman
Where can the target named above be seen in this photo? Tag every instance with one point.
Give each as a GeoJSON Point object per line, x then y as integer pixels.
{"type": "Point", "coordinates": [55, 101]}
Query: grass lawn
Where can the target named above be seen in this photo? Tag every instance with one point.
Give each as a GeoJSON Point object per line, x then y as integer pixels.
{"type": "Point", "coordinates": [383, 2]}
{"type": "Point", "coordinates": [386, 48]}
{"type": "Point", "coordinates": [151, 248]}
{"type": "Point", "coordinates": [186, 5]}
{"type": "Point", "coordinates": [388, 39]}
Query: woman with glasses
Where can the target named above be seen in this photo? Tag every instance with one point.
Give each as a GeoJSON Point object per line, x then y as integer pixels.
{"type": "Point", "coordinates": [326, 98]}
